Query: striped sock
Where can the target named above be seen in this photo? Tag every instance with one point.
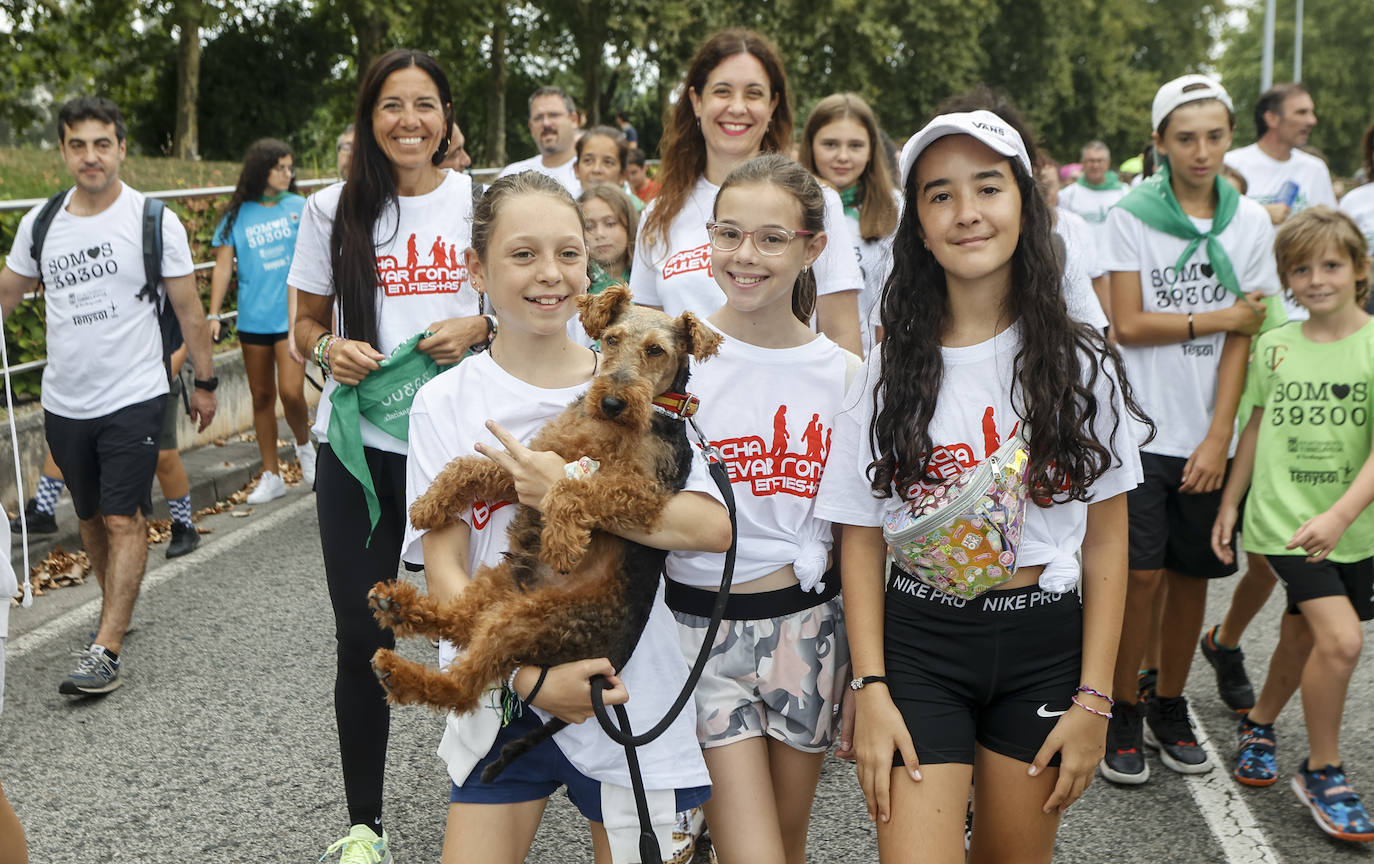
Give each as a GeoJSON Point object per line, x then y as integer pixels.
{"type": "Point", "coordinates": [181, 509]}
{"type": "Point", "coordinates": [45, 498]}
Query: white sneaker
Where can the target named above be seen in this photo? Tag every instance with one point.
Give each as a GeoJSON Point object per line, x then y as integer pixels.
{"type": "Point", "coordinates": [305, 455]}
{"type": "Point", "coordinates": [270, 488]}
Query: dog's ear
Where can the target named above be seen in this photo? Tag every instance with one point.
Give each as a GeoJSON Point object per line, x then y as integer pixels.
{"type": "Point", "coordinates": [701, 341]}
{"type": "Point", "coordinates": [599, 310]}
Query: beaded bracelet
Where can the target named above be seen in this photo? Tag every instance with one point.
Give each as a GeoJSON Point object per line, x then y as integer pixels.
{"type": "Point", "coordinates": [1106, 714]}
{"type": "Point", "coordinates": [1091, 692]}
{"type": "Point", "coordinates": [510, 682]}
{"type": "Point", "coordinates": [318, 352]}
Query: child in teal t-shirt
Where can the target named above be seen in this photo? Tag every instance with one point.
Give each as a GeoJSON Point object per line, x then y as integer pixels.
{"type": "Point", "coordinates": [1306, 445]}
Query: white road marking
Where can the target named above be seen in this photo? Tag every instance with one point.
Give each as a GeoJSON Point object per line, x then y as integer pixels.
{"type": "Point", "coordinates": [1221, 801]}
{"type": "Point", "coordinates": [75, 619]}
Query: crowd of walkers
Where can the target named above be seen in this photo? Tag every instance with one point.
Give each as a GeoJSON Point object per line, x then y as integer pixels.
{"type": "Point", "coordinates": [990, 423]}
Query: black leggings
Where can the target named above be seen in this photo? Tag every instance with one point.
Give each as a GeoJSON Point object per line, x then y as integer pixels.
{"type": "Point", "coordinates": [352, 567]}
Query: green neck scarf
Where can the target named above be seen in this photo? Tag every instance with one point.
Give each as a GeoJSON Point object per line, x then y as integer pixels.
{"type": "Point", "coordinates": [601, 280]}
{"type": "Point", "coordinates": [1153, 202]}
{"type": "Point", "coordinates": [1109, 182]}
{"type": "Point", "coordinates": [851, 198]}
{"type": "Point", "coordinates": [384, 398]}
{"type": "Point", "coordinates": [275, 198]}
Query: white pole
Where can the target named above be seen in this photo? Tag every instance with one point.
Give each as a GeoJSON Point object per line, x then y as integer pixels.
{"type": "Point", "coordinates": [1267, 61]}
{"type": "Point", "coordinates": [1297, 45]}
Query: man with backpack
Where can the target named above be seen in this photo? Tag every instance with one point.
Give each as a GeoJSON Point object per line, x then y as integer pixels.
{"type": "Point", "coordinates": [101, 251]}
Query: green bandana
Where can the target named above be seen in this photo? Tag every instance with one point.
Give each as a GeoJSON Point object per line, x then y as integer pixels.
{"type": "Point", "coordinates": [1153, 203]}
{"type": "Point", "coordinates": [1109, 182]}
{"type": "Point", "coordinates": [384, 398]}
{"type": "Point", "coordinates": [601, 280]}
{"type": "Point", "coordinates": [851, 198]}
{"type": "Point", "coordinates": [275, 198]}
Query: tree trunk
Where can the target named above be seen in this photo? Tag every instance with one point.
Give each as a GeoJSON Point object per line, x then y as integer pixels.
{"type": "Point", "coordinates": [369, 30]}
{"type": "Point", "coordinates": [591, 49]}
{"type": "Point", "coordinates": [496, 96]}
{"type": "Point", "coordinates": [186, 141]}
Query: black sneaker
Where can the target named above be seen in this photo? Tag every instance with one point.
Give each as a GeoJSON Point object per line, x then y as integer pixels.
{"type": "Point", "coordinates": [1232, 682]}
{"type": "Point", "coordinates": [39, 522]}
{"type": "Point", "coordinates": [1124, 762]}
{"type": "Point", "coordinates": [1145, 682]}
{"type": "Point", "coordinates": [185, 538]}
{"type": "Point", "coordinates": [1169, 729]}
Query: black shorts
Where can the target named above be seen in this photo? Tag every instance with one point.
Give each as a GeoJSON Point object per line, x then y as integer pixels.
{"type": "Point", "coordinates": [168, 439]}
{"type": "Point", "coordinates": [1171, 529]}
{"type": "Point", "coordinates": [109, 462]}
{"type": "Point", "coordinates": [268, 339]}
{"type": "Point", "coordinates": [1308, 581]}
{"type": "Point", "coordinates": [998, 670]}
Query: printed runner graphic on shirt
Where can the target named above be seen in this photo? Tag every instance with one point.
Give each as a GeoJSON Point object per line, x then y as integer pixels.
{"type": "Point", "coordinates": [770, 467]}
{"type": "Point", "coordinates": [688, 261]}
{"type": "Point", "coordinates": [441, 273]}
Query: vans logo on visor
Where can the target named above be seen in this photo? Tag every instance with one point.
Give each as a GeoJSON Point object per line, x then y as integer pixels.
{"type": "Point", "coordinates": [996, 130]}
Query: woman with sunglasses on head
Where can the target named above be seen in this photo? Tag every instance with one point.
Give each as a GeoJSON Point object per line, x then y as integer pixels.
{"type": "Point", "coordinates": [380, 253]}
{"type": "Point", "coordinates": [735, 106]}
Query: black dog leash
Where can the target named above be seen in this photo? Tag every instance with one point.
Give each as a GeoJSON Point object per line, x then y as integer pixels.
{"type": "Point", "coordinates": [622, 735]}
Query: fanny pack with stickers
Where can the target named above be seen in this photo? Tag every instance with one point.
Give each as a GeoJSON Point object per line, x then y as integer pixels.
{"type": "Point", "coordinates": [962, 536]}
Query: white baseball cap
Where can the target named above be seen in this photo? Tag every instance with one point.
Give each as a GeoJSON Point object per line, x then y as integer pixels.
{"type": "Point", "coordinates": [983, 125]}
{"type": "Point", "coordinates": [1176, 93]}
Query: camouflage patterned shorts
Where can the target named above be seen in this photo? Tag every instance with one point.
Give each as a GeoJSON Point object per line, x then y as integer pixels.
{"type": "Point", "coordinates": [782, 677]}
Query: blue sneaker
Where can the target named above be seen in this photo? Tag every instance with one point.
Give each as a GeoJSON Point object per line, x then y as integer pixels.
{"type": "Point", "coordinates": [96, 672]}
{"type": "Point", "coordinates": [1335, 806]}
{"type": "Point", "coordinates": [360, 845]}
{"type": "Point", "coordinates": [1256, 764]}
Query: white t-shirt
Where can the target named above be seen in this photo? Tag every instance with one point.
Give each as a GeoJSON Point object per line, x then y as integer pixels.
{"type": "Point", "coordinates": [973, 417]}
{"type": "Point", "coordinates": [564, 173]}
{"type": "Point", "coordinates": [420, 260]}
{"type": "Point", "coordinates": [104, 342]}
{"type": "Point", "coordinates": [1080, 268]}
{"type": "Point", "coordinates": [769, 411]}
{"type": "Point", "coordinates": [1358, 204]}
{"type": "Point", "coordinates": [875, 263]}
{"type": "Point", "coordinates": [1176, 384]}
{"type": "Point", "coordinates": [446, 420]}
{"type": "Point", "coordinates": [1092, 205]}
{"type": "Point", "coordinates": [1265, 176]}
{"type": "Point", "coordinates": [679, 278]}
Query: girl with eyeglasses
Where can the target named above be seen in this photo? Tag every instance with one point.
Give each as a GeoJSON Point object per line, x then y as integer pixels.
{"type": "Point", "coordinates": [735, 106]}
{"type": "Point", "coordinates": [766, 704]}
{"type": "Point", "coordinates": [256, 239]}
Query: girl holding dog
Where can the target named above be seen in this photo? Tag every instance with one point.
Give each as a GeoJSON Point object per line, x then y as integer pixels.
{"type": "Point", "coordinates": [736, 106]}
{"type": "Point", "coordinates": [987, 650]}
{"type": "Point", "coordinates": [528, 257]}
{"type": "Point", "coordinates": [358, 262]}
{"type": "Point", "coordinates": [765, 705]}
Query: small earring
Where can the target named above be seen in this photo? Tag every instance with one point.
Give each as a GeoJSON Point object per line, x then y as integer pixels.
{"type": "Point", "coordinates": [925, 245]}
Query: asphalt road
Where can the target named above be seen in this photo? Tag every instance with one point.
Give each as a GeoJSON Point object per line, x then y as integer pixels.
{"type": "Point", "coordinates": [221, 745]}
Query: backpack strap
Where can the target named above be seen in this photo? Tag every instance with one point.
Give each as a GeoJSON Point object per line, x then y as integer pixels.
{"type": "Point", "coordinates": [152, 277]}
{"type": "Point", "coordinates": [41, 224]}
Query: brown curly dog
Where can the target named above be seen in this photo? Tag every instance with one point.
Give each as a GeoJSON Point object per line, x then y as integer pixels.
{"type": "Point", "coordinates": [569, 588]}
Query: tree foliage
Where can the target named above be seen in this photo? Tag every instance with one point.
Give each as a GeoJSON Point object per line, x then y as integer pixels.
{"type": "Point", "coordinates": [1079, 69]}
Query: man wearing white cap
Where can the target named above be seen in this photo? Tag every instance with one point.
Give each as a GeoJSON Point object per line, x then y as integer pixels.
{"type": "Point", "coordinates": [1189, 261]}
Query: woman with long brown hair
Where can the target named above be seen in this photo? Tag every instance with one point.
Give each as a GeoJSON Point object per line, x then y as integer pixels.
{"type": "Point", "coordinates": [736, 106]}
{"type": "Point", "coordinates": [381, 249]}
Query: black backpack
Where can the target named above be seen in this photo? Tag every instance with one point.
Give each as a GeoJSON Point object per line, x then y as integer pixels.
{"type": "Point", "coordinates": [152, 266]}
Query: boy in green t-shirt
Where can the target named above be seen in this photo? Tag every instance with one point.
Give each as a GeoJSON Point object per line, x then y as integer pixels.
{"type": "Point", "coordinates": [1307, 444]}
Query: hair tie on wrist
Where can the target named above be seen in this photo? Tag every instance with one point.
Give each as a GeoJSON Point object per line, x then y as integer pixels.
{"type": "Point", "coordinates": [1091, 692]}
{"type": "Point", "coordinates": [543, 673]}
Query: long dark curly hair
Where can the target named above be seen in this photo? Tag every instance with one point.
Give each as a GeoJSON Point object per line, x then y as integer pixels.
{"type": "Point", "coordinates": [370, 191]}
{"type": "Point", "coordinates": [1055, 369]}
{"type": "Point", "coordinates": [258, 162]}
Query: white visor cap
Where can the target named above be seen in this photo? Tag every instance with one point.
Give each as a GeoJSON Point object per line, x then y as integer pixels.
{"type": "Point", "coordinates": [1174, 94]}
{"type": "Point", "coordinates": [985, 126]}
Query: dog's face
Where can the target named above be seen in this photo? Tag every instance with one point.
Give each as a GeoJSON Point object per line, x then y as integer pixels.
{"type": "Point", "coordinates": [643, 351]}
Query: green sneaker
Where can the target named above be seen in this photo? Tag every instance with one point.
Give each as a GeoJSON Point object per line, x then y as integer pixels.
{"type": "Point", "coordinates": [360, 846]}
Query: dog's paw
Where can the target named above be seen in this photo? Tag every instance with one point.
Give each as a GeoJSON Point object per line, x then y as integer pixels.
{"type": "Point", "coordinates": [382, 668]}
{"type": "Point", "coordinates": [387, 606]}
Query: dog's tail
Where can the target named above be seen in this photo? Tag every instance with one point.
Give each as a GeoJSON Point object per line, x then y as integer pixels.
{"type": "Point", "coordinates": [515, 749]}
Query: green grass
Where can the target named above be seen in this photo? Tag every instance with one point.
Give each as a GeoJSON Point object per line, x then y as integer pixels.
{"type": "Point", "coordinates": [30, 173]}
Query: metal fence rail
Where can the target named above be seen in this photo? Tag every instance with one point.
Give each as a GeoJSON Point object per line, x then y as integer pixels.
{"type": "Point", "coordinates": [483, 175]}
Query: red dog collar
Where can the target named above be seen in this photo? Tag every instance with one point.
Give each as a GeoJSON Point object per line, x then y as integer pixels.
{"type": "Point", "coordinates": [678, 406]}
